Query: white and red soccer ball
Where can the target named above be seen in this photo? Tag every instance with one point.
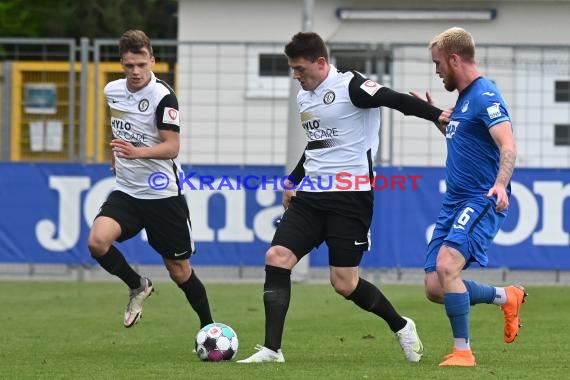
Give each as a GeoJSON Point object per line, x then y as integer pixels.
{"type": "Point", "coordinates": [216, 342]}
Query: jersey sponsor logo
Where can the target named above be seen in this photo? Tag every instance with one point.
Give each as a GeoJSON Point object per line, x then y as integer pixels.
{"type": "Point", "coordinates": [465, 106]}
{"type": "Point", "coordinates": [315, 132]}
{"type": "Point", "coordinates": [123, 129]}
{"type": "Point", "coordinates": [370, 87]}
{"type": "Point", "coordinates": [171, 116]}
{"type": "Point", "coordinates": [306, 116]}
{"type": "Point", "coordinates": [143, 105]}
{"type": "Point", "coordinates": [329, 97]}
{"type": "Point", "coordinates": [494, 111]}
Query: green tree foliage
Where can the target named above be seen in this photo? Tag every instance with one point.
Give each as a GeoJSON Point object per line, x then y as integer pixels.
{"type": "Point", "coordinates": [92, 18]}
{"type": "Point", "coordinates": [17, 18]}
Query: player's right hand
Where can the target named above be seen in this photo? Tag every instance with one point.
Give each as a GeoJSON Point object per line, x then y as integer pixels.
{"type": "Point", "coordinates": [287, 195]}
{"type": "Point", "coordinates": [289, 191]}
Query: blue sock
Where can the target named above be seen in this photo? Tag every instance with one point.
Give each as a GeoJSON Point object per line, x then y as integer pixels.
{"type": "Point", "coordinates": [479, 293]}
{"type": "Point", "coordinates": [457, 309]}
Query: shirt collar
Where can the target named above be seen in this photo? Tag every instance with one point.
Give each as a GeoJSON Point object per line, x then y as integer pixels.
{"type": "Point", "coordinates": [143, 91]}
{"type": "Point", "coordinates": [333, 73]}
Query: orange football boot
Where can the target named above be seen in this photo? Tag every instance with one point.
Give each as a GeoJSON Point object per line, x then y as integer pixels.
{"type": "Point", "coordinates": [516, 296]}
{"type": "Point", "coordinates": [459, 358]}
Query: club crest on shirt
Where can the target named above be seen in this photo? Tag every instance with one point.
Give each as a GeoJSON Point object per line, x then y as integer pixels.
{"type": "Point", "coordinates": [451, 128]}
{"type": "Point", "coordinates": [329, 97]}
{"type": "Point", "coordinates": [143, 105]}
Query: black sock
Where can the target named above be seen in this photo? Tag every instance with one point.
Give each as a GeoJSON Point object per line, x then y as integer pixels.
{"type": "Point", "coordinates": [114, 262]}
{"type": "Point", "coordinates": [276, 298]}
{"type": "Point", "coordinates": [195, 293]}
{"type": "Point", "coordinates": [370, 298]}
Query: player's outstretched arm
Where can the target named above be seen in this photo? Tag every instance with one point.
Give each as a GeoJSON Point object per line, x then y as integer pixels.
{"type": "Point", "coordinates": [443, 118]}
{"type": "Point", "coordinates": [365, 93]}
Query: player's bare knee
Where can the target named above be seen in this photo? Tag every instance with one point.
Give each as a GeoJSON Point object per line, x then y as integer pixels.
{"type": "Point", "coordinates": [433, 296]}
{"type": "Point", "coordinates": [342, 287]}
{"type": "Point", "coordinates": [444, 272]}
{"type": "Point", "coordinates": [178, 270]}
{"type": "Point", "coordinates": [344, 290]}
{"type": "Point", "coordinates": [433, 290]}
{"type": "Point", "coordinates": [97, 246]}
{"type": "Point", "coordinates": [281, 257]}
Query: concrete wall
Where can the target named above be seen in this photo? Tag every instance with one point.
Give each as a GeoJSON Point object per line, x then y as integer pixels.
{"type": "Point", "coordinates": [517, 21]}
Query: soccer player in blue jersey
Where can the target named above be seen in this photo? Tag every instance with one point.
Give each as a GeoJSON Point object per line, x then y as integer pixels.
{"type": "Point", "coordinates": [481, 154]}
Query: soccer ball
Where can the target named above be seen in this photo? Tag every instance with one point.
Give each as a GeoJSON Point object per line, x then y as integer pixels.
{"type": "Point", "coordinates": [216, 342]}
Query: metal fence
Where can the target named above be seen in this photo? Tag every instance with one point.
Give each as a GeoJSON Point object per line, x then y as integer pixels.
{"type": "Point", "coordinates": [15, 54]}
{"type": "Point", "coordinates": [234, 99]}
{"type": "Point", "coordinates": [535, 82]}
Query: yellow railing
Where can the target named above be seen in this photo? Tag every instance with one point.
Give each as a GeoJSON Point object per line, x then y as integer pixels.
{"type": "Point", "coordinates": [28, 119]}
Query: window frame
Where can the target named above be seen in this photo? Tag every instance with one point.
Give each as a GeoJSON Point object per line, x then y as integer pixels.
{"type": "Point", "coordinates": [265, 86]}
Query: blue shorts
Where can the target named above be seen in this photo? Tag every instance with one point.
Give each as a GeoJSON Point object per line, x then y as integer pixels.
{"type": "Point", "coordinates": [469, 227]}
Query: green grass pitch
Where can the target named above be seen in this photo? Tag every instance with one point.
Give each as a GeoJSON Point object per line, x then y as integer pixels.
{"type": "Point", "coordinates": [73, 330]}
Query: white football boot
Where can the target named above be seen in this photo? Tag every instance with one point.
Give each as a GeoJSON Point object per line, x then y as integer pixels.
{"type": "Point", "coordinates": [410, 341]}
{"type": "Point", "coordinates": [264, 355]}
{"type": "Point", "coordinates": [136, 299]}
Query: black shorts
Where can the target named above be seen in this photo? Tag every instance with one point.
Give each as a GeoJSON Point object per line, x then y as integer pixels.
{"type": "Point", "coordinates": [166, 221]}
{"type": "Point", "coordinates": [341, 219]}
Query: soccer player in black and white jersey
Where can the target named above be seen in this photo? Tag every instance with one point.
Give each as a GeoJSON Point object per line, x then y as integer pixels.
{"type": "Point", "coordinates": [146, 140]}
{"type": "Point", "coordinates": [340, 114]}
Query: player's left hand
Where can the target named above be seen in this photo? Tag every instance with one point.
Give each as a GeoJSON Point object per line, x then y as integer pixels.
{"type": "Point", "coordinates": [499, 191]}
{"type": "Point", "coordinates": [427, 99]}
{"type": "Point", "coordinates": [445, 115]}
{"type": "Point", "coordinates": [123, 149]}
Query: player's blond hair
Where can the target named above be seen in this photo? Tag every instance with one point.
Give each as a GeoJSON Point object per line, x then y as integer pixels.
{"type": "Point", "coordinates": [455, 41]}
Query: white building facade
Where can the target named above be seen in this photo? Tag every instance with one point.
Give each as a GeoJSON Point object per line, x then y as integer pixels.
{"type": "Point", "coordinates": [234, 87]}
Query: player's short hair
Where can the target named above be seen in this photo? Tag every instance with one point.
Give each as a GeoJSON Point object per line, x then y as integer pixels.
{"type": "Point", "coordinates": [134, 41]}
{"type": "Point", "coordinates": [307, 45]}
{"type": "Point", "coordinates": [455, 41]}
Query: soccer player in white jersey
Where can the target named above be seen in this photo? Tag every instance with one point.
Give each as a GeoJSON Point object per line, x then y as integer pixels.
{"type": "Point", "coordinates": [481, 154]}
{"type": "Point", "coordinates": [146, 140]}
{"type": "Point", "coordinates": [341, 117]}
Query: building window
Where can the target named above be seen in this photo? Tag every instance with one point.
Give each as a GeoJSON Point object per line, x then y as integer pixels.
{"type": "Point", "coordinates": [562, 134]}
{"type": "Point", "coordinates": [370, 63]}
{"type": "Point", "coordinates": [345, 61]}
{"type": "Point", "coordinates": [562, 91]}
{"type": "Point", "coordinates": [267, 72]}
{"type": "Point", "coordinates": [273, 65]}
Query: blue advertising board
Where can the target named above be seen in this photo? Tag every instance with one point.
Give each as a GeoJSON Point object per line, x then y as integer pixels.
{"type": "Point", "coordinates": [47, 210]}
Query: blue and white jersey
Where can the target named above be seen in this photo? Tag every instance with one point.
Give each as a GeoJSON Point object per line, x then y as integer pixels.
{"type": "Point", "coordinates": [472, 155]}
